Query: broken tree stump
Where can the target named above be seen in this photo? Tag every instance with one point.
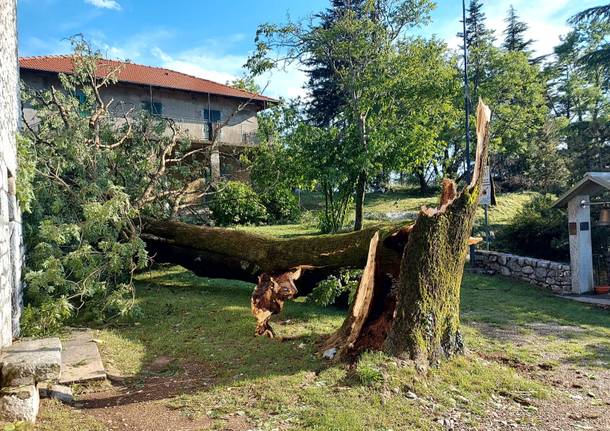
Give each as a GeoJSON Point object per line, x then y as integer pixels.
{"type": "Point", "coordinates": [417, 317]}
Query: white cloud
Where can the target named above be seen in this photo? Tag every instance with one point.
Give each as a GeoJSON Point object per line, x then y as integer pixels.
{"type": "Point", "coordinates": [207, 64]}
{"type": "Point", "coordinates": [105, 4]}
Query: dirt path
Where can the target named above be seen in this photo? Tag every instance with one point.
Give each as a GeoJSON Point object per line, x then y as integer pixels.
{"type": "Point", "coordinates": [140, 405]}
{"type": "Point", "coordinates": [580, 398]}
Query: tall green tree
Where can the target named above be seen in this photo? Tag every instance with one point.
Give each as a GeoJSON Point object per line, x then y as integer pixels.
{"type": "Point", "coordinates": [479, 39]}
{"type": "Point", "coordinates": [514, 34]}
{"type": "Point", "coordinates": [579, 92]}
{"type": "Point", "coordinates": [517, 91]}
{"type": "Point", "coordinates": [601, 56]}
{"type": "Point", "coordinates": [356, 47]}
{"type": "Point", "coordinates": [327, 99]}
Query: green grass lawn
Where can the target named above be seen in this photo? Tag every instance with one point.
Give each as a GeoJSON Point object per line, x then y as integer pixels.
{"type": "Point", "coordinates": [402, 200]}
{"type": "Point", "coordinates": [284, 385]}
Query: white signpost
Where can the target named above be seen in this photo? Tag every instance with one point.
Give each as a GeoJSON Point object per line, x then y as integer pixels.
{"type": "Point", "coordinates": [485, 200]}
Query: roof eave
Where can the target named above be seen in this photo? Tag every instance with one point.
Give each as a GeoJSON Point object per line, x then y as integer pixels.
{"type": "Point", "coordinates": [264, 100]}
{"type": "Point", "coordinates": [588, 185]}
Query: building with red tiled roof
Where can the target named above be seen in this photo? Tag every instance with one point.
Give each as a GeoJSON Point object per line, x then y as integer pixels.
{"type": "Point", "coordinates": [197, 105]}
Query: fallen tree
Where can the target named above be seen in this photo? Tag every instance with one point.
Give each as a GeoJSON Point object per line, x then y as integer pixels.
{"type": "Point", "coordinates": [407, 302]}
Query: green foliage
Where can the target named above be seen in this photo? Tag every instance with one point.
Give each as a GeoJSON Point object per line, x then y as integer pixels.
{"type": "Point", "coordinates": [47, 318]}
{"type": "Point", "coordinates": [547, 169]}
{"type": "Point", "coordinates": [327, 291]}
{"type": "Point", "coordinates": [537, 230]}
{"type": "Point", "coordinates": [330, 163]}
{"type": "Point", "coordinates": [272, 169]}
{"type": "Point", "coordinates": [516, 91]}
{"type": "Point", "coordinates": [282, 205]}
{"type": "Point", "coordinates": [579, 93]}
{"type": "Point", "coordinates": [359, 50]}
{"type": "Point", "coordinates": [514, 39]}
{"type": "Point", "coordinates": [237, 203]}
{"type": "Point", "coordinates": [370, 369]}
{"type": "Point", "coordinates": [92, 177]}
{"type": "Point", "coordinates": [26, 160]}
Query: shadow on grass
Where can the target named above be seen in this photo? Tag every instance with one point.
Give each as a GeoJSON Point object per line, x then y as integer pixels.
{"type": "Point", "coordinates": [206, 326]}
{"type": "Point", "coordinates": [514, 310]}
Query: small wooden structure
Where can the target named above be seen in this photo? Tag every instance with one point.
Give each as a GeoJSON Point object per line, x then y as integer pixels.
{"type": "Point", "coordinates": [578, 202]}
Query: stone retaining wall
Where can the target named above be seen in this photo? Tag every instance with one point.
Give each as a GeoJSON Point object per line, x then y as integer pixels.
{"type": "Point", "coordinates": [545, 273]}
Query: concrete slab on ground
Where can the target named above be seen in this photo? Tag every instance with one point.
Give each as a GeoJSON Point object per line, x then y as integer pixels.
{"type": "Point", "coordinates": [29, 361]}
{"type": "Point", "coordinates": [80, 359]}
{"type": "Point", "coordinates": [601, 300]}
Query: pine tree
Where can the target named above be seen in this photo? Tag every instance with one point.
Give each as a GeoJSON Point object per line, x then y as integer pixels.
{"type": "Point", "coordinates": [514, 39]}
{"type": "Point", "coordinates": [478, 38]}
{"type": "Point", "coordinates": [327, 98]}
{"type": "Point", "coordinates": [477, 34]}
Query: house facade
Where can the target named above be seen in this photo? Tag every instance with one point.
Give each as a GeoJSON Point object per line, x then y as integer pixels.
{"type": "Point", "coordinates": [198, 106]}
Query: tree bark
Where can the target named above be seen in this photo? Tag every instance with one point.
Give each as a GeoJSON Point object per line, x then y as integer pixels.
{"type": "Point", "coordinates": [240, 255]}
{"type": "Point", "coordinates": [359, 201]}
{"type": "Point", "coordinates": [421, 178]}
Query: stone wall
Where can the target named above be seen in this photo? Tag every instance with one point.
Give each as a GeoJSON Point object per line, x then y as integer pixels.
{"type": "Point", "coordinates": [545, 273]}
{"type": "Point", "coordinates": [11, 256]}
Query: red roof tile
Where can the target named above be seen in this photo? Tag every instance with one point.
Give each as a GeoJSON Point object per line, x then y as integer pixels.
{"type": "Point", "coordinates": [139, 74]}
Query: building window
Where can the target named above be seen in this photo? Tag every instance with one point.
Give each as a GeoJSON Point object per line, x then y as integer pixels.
{"type": "Point", "coordinates": [153, 108]}
{"type": "Point", "coordinates": [82, 103]}
{"type": "Point", "coordinates": [80, 95]}
{"type": "Point", "coordinates": [211, 116]}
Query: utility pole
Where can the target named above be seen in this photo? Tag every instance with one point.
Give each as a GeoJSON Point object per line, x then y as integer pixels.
{"type": "Point", "coordinates": [466, 94]}
{"type": "Point", "coordinates": [467, 111]}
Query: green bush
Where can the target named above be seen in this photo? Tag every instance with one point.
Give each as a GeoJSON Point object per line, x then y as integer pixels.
{"type": "Point", "coordinates": [537, 230]}
{"type": "Point", "coordinates": [237, 203]}
{"type": "Point", "coordinates": [282, 205]}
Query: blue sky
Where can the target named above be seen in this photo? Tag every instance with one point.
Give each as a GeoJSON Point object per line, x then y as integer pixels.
{"type": "Point", "coordinates": [212, 39]}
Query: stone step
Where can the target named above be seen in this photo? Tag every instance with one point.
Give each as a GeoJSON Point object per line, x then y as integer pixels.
{"type": "Point", "coordinates": [29, 361]}
{"type": "Point", "coordinates": [19, 403]}
{"type": "Point", "coordinates": [80, 359]}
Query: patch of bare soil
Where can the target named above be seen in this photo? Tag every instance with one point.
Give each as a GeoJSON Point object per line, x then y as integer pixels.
{"type": "Point", "coordinates": [139, 405]}
{"type": "Point", "coordinates": [581, 396]}
{"type": "Point", "coordinates": [581, 402]}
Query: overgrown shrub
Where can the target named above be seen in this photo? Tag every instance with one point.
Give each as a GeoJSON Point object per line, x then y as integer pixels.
{"type": "Point", "coordinates": [273, 177]}
{"type": "Point", "coordinates": [282, 205]}
{"type": "Point", "coordinates": [328, 291]}
{"type": "Point", "coordinates": [537, 230]}
{"type": "Point", "coordinates": [237, 203]}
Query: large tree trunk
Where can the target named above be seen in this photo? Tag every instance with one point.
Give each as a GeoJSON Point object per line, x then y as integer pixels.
{"type": "Point", "coordinates": [240, 255]}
